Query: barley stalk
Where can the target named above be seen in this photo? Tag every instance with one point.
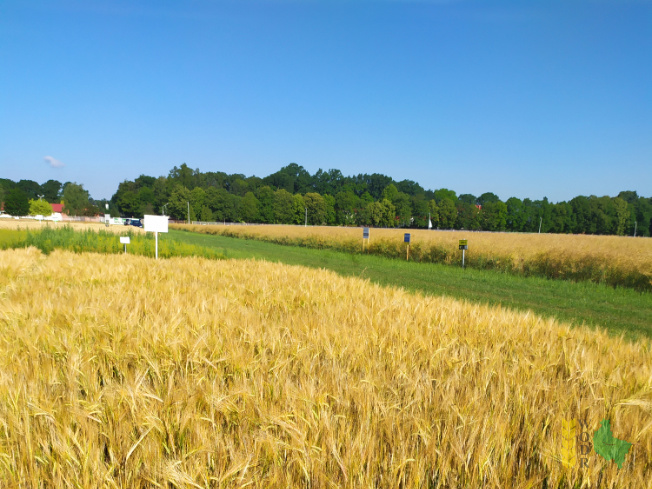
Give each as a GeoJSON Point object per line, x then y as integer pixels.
{"type": "Point", "coordinates": [124, 371]}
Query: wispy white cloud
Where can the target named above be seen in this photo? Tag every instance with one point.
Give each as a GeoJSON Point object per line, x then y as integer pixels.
{"type": "Point", "coordinates": [53, 162]}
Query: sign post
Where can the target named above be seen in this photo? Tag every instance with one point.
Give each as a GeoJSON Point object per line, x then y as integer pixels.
{"type": "Point", "coordinates": [406, 239]}
{"type": "Point", "coordinates": [365, 236]}
{"type": "Point", "coordinates": [156, 224]}
{"type": "Point", "coordinates": [463, 246]}
{"type": "Point", "coordinates": [124, 240]}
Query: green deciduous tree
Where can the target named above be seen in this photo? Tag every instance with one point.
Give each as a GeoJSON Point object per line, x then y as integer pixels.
{"type": "Point", "coordinates": [31, 188]}
{"type": "Point", "coordinates": [468, 199]}
{"type": "Point", "coordinates": [178, 206]}
{"type": "Point", "coordinates": [126, 199]}
{"type": "Point", "coordinates": [16, 202]}
{"type": "Point", "coordinates": [602, 214]}
{"type": "Point", "coordinates": [445, 194]}
{"type": "Point", "coordinates": [581, 221]}
{"type": "Point", "coordinates": [161, 193]}
{"type": "Point", "coordinates": [249, 208]}
{"type": "Point", "coordinates": [381, 213]}
{"type": "Point", "coordinates": [39, 208]}
{"type": "Point", "coordinates": [561, 218]}
{"type": "Point", "coordinates": [409, 187]}
{"type": "Point", "coordinates": [643, 217]}
{"type": "Point", "coordinates": [7, 184]}
{"type": "Point", "coordinates": [51, 191]}
{"type": "Point", "coordinates": [516, 214]}
{"type": "Point", "coordinates": [280, 180]}
{"type": "Point", "coordinates": [283, 207]}
{"type": "Point", "coordinates": [222, 204]}
{"type": "Point", "coordinates": [184, 176]}
{"type": "Point", "coordinates": [366, 198]}
{"type": "Point", "coordinates": [299, 209]}
{"type": "Point", "coordinates": [329, 200]}
{"type": "Point", "coordinates": [621, 210]}
{"type": "Point", "coordinates": [327, 182]}
{"type": "Point", "coordinates": [403, 208]}
{"type": "Point", "coordinates": [254, 183]}
{"type": "Point", "coordinates": [447, 213]}
{"type": "Point", "coordinates": [239, 187]}
{"type": "Point", "coordinates": [390, 192]}
{"type": "Point", "coordinates": [346, 207]}
{"type": "Point", "coordinates": [494, 215]}
{"type": "Point", "coordinates": [293, 177]}
{"type": "Point", "coordinates": [468, 216]}
{"type": "Point", "coordinates": [486, 198]}
{"type": "Point", "coordinates": [76, 200]}
{"type": "Point", "coordinates": [538, 212]}
{"type": "Point", "coordinates": [420, 210]}
{"type": "Point", "coordinates": [376, 183]}
{"type": "Point", "coordinates": [265, 196]}
{"type": "Point", "coordinates": [206, 214]}
{"type": "Point", "coordinates": [197, 201]}
{"type": "Point", "coordinates": [316, 208]}
{"type": "Point", "coordinates": [146, 201]}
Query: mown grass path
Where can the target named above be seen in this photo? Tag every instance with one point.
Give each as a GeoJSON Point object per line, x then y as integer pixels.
{"type": "Point", "coordinates": [618, 310]}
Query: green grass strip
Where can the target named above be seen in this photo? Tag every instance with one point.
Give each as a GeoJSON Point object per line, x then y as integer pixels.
{"type": "Point", "coordinates": [620, 311]}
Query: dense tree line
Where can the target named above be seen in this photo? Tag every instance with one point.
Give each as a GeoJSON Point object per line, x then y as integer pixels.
{"type": "Point", "coordinates": [23, 197]}
{"type": "Point", "coordinates": [329, 197]}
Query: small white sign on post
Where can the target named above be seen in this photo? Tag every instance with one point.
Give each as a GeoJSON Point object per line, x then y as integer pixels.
{"type": "Point", "coordinates": [156, 224]}
{"type": "Point", "coordinates": [365, 236]}
{"type": "Point", "coordinates": [125, 241]}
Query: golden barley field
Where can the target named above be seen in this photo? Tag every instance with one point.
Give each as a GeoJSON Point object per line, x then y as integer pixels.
{"type": "Point", "coordinates": [124, 371]}
{"type": "Point", "coordinates": [33, 225]}
{"type": "Point", "coordinates": [615, 260]}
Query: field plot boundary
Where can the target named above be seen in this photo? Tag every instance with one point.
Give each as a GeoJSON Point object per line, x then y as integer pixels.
{"type": "Point", "coordinates": [618, 310]}
{"type": "Point", "coordinates": [614, 260]}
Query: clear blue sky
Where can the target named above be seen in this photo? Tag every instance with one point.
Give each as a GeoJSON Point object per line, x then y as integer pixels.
{"type": "Point", "coordinates": [526, 99]}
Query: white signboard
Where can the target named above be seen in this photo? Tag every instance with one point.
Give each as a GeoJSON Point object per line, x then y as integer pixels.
{"type": "Point", "coordinates": [124, 239]}
{"type": "Point", "coordinates": [156, 224]}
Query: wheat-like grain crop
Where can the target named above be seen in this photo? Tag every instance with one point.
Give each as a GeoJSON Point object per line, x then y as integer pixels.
{"type": "Point", "coordinates": [615, 260]}
{"type": "Point", "coordinates": [34, 225]}
{"type": "Point", "coordinates": [124, 371]}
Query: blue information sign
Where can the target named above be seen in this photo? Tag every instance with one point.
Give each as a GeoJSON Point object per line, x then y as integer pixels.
{"type": "Point", "coordinates": [406, 238]}
{"type": "Point", "coordinates": [365, 233]}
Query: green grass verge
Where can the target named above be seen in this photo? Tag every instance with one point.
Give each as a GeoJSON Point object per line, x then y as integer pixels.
{"type": "Point", "coordinates": [620, 311]}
